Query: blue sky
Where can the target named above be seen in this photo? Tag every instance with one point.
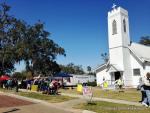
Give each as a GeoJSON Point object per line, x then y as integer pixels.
{"type": "Point", "coordinates": [80, 26]}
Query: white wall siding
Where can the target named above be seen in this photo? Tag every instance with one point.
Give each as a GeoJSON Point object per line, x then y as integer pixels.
{"type": "Point", "coordinates": [136, 64]}
{"type": "Point", "coordinates": [147, 69]}
{"type": "Point", "coordinates": [116, 57]}
{"type": "Point", "coordinates": [102, 74]}
{"type": "Point", "coordinates": [127, 74]}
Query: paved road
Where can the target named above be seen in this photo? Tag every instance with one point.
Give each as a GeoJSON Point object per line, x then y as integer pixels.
{"type": "Point", "coordinates": [34, 108]}
{"type": "Point", "coordinates": [7, 101]}
{"type": "Point", "coordinates": [10, 104]}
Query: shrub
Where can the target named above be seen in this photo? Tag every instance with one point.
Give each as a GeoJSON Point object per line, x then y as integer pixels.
{"type": "Point", "coordinates": [92, 84]}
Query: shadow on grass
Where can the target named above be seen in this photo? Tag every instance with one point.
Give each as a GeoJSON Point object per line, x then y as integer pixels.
{"type": "Point", "coordinates": [13, 110]}
{"type": "Point", "coordinates": [91, 103]}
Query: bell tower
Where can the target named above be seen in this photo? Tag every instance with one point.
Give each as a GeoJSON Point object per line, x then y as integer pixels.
{"type": "Point", "coordinates": [119, 40]}
{"type": "Point", "coordinates": [118, 27]}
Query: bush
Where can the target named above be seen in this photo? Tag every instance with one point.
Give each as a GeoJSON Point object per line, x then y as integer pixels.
{"type": "Point", "coordinates": [92, 84]}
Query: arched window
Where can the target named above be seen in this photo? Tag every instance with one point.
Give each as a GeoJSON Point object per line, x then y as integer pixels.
{"type": "Point", "coordinates": [124, 25]}
{"type": "Point", "coordinates": [114, 27]}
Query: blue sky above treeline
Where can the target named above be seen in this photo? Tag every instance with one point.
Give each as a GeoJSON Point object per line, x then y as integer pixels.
{"type": "Point", "coordinates": [80, 26]}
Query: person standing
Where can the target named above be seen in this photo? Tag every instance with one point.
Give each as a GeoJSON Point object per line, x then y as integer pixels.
{"type": "Point", "coordinates": [104, 83]}
{"type": "Point", "coordinates": [141, 88]}
{"type": "Point", "coordinates": [16, 85]}
{"type": "Point", "coordinates": [119, 84]}
{"type": "Point", "coordinates": [146, 86]}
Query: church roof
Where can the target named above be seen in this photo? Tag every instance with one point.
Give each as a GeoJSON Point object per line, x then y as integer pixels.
{"type": "Point", "coordinates": [113, 68]}
{"type": "Point", "coordinates": [141, 51]}
{"type": "Point", "coordinates": [109, 67]}
{"type": "Point", "coordinates": [101, 67]}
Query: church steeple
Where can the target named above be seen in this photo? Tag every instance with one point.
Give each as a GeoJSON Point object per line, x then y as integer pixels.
{"type": "Point", "coordinates": [118, 36]}
{"type": "Point", "coordinates": [118, 27]}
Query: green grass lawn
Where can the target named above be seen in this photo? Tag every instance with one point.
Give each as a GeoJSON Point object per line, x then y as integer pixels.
{"type": "Point", "coordinates": [40, 96]}
{"type": "Point", "coordinates": [48, 98]}
{"type": "Point", "coordinates": [7, 91]}
{"type": "Point", "coordinates": [128, 94]}
{"type": "Point", "coordinates": [107, 107]}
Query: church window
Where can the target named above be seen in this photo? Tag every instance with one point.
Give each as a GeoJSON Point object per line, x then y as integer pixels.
{"type": "Point", "coordinates": [114, 27]}
{"type": "Point", "coordinates": [136, 72]}
{"type": "Point", "coordinates": [124, 25]}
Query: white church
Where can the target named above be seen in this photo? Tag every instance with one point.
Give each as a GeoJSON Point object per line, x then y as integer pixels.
{"type": "Point", "coordinates": [127, 59]}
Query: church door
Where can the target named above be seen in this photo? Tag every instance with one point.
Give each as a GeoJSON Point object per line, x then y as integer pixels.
{"type": "Point", "coordinates": [117, 75]}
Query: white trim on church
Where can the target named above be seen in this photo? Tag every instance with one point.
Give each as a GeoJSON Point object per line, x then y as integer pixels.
{"type": "Point", "coordinates": [127, 60]}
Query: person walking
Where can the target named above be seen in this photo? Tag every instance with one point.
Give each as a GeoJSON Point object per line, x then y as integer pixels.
{"type": "Point", "coordinates": [141, 88]}
{"type": "Point", "coordinates": [119, 84]}
{"type": "Point", "coordinates": [146, 86]}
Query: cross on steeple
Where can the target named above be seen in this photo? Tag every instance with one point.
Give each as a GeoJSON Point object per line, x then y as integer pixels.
{"type": "Point", "coordinates": [114, 6]}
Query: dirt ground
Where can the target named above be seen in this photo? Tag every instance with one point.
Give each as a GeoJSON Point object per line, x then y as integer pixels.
{"type": "Point", "coordinates": [7, 101]}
